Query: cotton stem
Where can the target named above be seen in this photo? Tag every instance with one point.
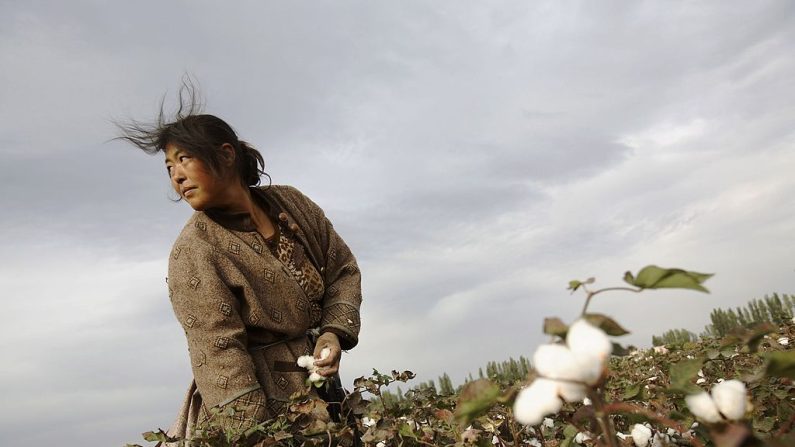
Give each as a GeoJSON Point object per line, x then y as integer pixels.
{"type": "Point", "coordinates": [540, 434]}
{"type": "Point", "coordinates": [606, 289]}
{"type": "Point", "coordinates": [602, 417]}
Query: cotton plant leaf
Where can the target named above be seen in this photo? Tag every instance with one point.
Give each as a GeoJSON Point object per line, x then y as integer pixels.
{"type": "Point", "coordinates": [780, 364]}
{"type": "Point", "coordinates": [569, 432]}
{"type": "Point", "coordinates": [575, 284]}
{"type": "Point", "coordinates": [555, 326]}
{"type": "Point", "coordinates": [607, 324]}
{"type": "Point", "coordinates": [654, 277]}
{"type": "Point", "coordinates": [475, 399]}
{"type": "Point", "coordinates": [682, 374]}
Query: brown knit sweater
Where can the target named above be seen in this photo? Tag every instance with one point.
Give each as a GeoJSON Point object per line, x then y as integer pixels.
{"type": "Point", "coordinates": [231, 293]}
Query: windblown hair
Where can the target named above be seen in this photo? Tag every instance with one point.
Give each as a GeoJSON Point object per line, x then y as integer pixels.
{"type": "Point", "coordinates": [201, 135]}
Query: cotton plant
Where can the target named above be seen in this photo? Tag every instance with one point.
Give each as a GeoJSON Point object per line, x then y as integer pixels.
{"type": "Point", "coordinates": [566, 371]}
{"type": "Point", "coordinates": [308, 362]}
{"type": "Point", "coordinates": [572, 369]}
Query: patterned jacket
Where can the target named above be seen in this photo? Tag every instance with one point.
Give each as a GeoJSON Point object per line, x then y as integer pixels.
{"type": "Point", "coordinates": [230, 294]}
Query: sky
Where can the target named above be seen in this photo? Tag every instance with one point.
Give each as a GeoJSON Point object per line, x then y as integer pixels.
{"type": "Point", "coordinates": [475, 156]}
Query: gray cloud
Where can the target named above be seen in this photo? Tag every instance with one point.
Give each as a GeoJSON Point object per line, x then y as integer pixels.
{"type": "Point", "coordinates": [476, 158]}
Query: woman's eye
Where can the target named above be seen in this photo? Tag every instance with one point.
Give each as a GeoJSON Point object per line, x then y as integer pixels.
{"type": "Point", "coordinates": [183, 156]}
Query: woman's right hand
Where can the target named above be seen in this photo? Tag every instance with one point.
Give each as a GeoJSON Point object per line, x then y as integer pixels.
{"type": "Point", "coordinates": [331, 364]}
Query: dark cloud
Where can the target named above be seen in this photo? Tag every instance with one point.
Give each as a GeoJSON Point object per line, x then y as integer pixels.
{"type": "Point", "coordinates": [475, 158]}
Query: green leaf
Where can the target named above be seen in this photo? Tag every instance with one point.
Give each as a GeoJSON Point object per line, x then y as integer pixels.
{"type": "Point", "coordinates": [631, 391]}
{"type": "Point", "coordinates": [607, 324]}
{"type": "Point", "coordinates": [569, 432]}
{"type": "Point", "coordinates": [555, 326]}
{"type": "Point", "coordinates": [749, 338]}
{"type": "Point", "coordinates": [682, 374]}
{"type": "Point", "coordinates": [475, 399]}
{"type": "Point", "coordinates": [765, 424]}
{"type": "Point", "coordinates": [780, 364]}
{"type": "Point", "coordinates": [574, 285]}
{"type": "Point", "coordinates": [155, 436]}
{"type": "Point", "coordinates": [405, 430]}
{"type": "Point", "coordinates": [654, 277]}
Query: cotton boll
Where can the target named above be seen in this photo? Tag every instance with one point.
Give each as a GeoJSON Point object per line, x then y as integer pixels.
{"type": "Point", "coordinates": [622, 436]}
{"type": "Point", "coordinates": [324, 353]}
{"type": "Point", "coordinates": [783, 341]}
{"type": "Point", "coordinates": [315, 377]}
{"type": "Point", "coordinates": [585, 339]}
{"type": "Point", "coordinates": [729, 397]}
{"type": "Point", "coordinates": [640, 435]}
{"type": "Point", "coordinates": [368, 422]}
{"type": "Point", "coordinates": [700, 381]}
{"type": "Point", "coordinates": [536, 401]}
{"type": "Point", "coordinates": [555, 361]}
{"type": "Point", "coordinates": [581, 437]}
{"type": "Point", "coordinates": [306, 361]}
{"type": "Point", "coordinates": [571, 392]}
{"type": "Point", "coordinates": [549, 423]}
{"type": "Point", "coordinates": [703, 407]}
{"type": "Point", "coordinates": [589, 369]}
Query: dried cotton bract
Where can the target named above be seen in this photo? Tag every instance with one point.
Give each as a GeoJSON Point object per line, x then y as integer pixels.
{"type": "Point", "coordinates": [565, 372]}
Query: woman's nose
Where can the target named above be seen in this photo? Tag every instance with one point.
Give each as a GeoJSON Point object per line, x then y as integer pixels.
{"type": "Point", "coordinates": [177, 174]}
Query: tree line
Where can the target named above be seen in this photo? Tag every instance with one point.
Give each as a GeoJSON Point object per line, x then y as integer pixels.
{"type": "Point", "coordinates": [775, 309]}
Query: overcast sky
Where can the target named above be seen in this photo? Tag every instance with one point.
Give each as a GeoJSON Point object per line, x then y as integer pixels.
{"type": "Point", "coordinates": [475, 156]}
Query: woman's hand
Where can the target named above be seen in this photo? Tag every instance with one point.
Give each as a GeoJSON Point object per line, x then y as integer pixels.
{"type": "Point", "coordinates": [331, 364]}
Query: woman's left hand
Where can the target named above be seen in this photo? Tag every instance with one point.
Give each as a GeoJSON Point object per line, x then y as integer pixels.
{"type": "Point", "coordinates": [331, 364]}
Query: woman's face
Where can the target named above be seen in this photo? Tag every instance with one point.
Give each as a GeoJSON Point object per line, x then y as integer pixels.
{"type": "Point", "coordinates": [193, 180]}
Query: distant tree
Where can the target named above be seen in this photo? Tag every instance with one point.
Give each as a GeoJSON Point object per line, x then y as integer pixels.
{"type": "Point", "coordinates": [771, 309]}
{"type": "Point", "coordinates": [673, 336]}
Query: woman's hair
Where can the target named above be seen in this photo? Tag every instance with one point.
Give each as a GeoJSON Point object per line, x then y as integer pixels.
{"type": "Point", "coordinates": [199, 134]}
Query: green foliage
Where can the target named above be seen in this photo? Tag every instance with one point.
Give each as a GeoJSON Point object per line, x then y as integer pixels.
{"type": "Point", "coordinates": [674, 337]}
{"type": "Point", "coordinates": [644, 386]}
{"type": "Point", "coordinates": [681, 376]}
{"type": "Point", "coordinates": [653, 277]}
{"type": "Point", "coordinates": [771, 309]}
{"type": "Point", "coordinates": [606, 324]}
{"type": "Point", "coordinates": [780, 364]}
{"type": "Point", "coordinates": [475, 399]}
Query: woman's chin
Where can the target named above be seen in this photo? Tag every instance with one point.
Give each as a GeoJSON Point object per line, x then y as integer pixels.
{"type": "Point", "coordinates": [197, 205]}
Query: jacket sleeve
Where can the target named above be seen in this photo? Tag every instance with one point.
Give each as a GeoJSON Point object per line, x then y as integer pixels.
{"type": "Point", "coordinates": [343, 296]}
{"type": "Point", "coordinates": [209, 313]}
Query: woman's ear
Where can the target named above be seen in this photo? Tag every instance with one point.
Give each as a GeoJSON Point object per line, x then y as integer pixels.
{"type": "Point", "coordinates": [228, 154]}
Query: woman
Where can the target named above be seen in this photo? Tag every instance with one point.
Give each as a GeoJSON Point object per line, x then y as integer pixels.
{"type": "Point", "coordinates": [253, 272]}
